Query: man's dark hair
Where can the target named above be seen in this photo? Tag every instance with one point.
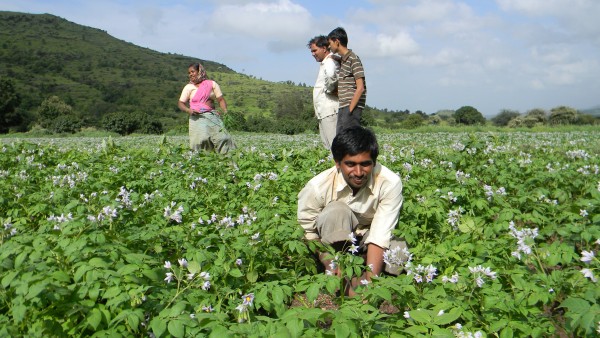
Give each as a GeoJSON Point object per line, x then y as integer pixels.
{"type": "Point", "coordinates": [352, 141]}
{"type": "Point", "coordinates": [340, 35]}
{"type": "Point", "coordinates": [319, 41]}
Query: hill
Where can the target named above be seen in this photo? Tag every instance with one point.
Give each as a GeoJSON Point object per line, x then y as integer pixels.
{"type": "Point", "coordinates": [95, 73]}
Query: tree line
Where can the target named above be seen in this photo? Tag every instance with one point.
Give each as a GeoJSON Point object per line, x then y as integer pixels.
{"type": "Point", "coordinates": [293, 114]}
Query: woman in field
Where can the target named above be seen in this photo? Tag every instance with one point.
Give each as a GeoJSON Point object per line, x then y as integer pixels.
{"type": "Point", "coordinates": [206, 128]}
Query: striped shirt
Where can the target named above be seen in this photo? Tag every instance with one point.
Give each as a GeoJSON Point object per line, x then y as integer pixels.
{"type": "Point", "coordinates": [351, 69]}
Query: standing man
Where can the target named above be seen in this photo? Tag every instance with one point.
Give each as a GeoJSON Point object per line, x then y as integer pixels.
{"type": "Point", "coordinates": [325, 98]}
{"type": "Point", "coordinates": [357, 198]}
{"type": "Point", "coordinates": [352, 87]}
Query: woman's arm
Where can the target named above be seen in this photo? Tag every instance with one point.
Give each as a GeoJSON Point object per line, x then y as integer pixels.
{"type": "Point", "coordinates": [222, 104]}
{"type": "Point", "coordinates": [183, 107]}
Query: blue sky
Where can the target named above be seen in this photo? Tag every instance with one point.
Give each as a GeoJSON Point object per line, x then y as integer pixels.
{"type": "Point", "coordinates": [424, 55]}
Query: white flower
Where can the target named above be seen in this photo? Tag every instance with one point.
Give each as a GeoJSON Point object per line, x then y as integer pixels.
{"type": "Point", "coordinates": [183, 262]}
{"type": "Point", "coordinates": [190, 276]}
{"type": "Point", "coordinates": [206, 285]}
{"type": "Point", "coordinates": [406, 314]}
{"type": "Point", "coordinates": [238, 262]}
{"type": "Point", "coordinates": [583, 212]}
{"type": "Point", "coordinates": [364, 282]}
{"type": "Point", "coordinates": [353, 248]}
{"type": "Point", "coordinates": [440, 313]}
{"type": "Point", "coordinates": [248, 299]}
{"type": "Point", "coordinates": [169, 277]}
{"type": "Point", "coordinates": [587, 273]}
{"type": "Point", "coordinates": [352, 238]}
{"type": "Point", "coordinates": [587, 256]}
{"type": "Point", "coordinates": [167, 265]}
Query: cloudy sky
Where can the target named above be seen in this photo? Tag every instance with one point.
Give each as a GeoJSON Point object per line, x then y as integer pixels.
{"type": "Point", "coordinates": [418, 55]}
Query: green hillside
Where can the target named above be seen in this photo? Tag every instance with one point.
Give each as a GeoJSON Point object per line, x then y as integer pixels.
{"type": "Point", "coordinates": [96, 74]}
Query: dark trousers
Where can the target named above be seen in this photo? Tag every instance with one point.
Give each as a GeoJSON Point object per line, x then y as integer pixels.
{"type": "Point", "coordinates": [348, 119]}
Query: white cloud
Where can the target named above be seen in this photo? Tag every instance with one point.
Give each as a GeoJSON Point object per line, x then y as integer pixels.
{"type": "Point", "coordinates": [279, 20]}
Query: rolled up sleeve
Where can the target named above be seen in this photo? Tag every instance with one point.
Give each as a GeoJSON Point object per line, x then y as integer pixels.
{"type": "Point", "coordinates": [309, 207]}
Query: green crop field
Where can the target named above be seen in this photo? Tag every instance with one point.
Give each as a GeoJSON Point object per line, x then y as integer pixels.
{"type": "Point", "coordinates": [138, 236]}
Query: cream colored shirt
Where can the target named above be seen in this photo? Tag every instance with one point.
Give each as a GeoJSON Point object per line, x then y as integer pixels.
{"type": "Point", "coordinates": [376, 206]}
{"type": "Point", "coordinates": [324, 101]}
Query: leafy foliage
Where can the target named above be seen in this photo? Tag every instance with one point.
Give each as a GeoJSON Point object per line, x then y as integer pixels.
{"type": "Point", "coordinates": [468, 115]}
{"type": "Point", "coordinates": [139, 235]}
{"type": "Point", "coordinates": [9, 101]}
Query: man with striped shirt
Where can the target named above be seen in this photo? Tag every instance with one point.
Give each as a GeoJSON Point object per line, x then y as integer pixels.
{"type": "Point", "coordinates": [352, 87]}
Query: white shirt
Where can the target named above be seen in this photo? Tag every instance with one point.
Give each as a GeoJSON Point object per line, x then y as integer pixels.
{"type": "Point", "coordinates": [326, 103]}
{"type": "Point", "coordinates": [376, 205]}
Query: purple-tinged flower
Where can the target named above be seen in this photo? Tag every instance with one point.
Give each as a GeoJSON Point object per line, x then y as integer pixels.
{"type": "Point", "coordinates": [587, 256]}
{"type": "Point", "coordinates": [238, 262]}
{"type": "Point", "coordinates": [248, 299]}
{"type": "Point", "coordinates": [167, 265]}
{"type": "Point", "coordinates": [169, 277]}
{"type": "Point", "coordinates": [183, 262]}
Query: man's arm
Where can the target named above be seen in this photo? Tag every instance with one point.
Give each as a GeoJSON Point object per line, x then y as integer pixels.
{"type": "Point", "coordinates": [360, 89]}
{"type": "Point", "coordinates": [374, 260]}
{"type": "Point", "coordinates": [331, 76]}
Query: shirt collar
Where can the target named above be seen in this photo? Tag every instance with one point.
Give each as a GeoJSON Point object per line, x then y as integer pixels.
{"type": "Point", "coordinates": [341, 183]}
{"type": "Point", "coordinates": [328, 56]}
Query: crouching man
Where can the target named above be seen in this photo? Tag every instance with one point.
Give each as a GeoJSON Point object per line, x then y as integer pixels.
{"type": "Point", "coordinates": [357, 198]}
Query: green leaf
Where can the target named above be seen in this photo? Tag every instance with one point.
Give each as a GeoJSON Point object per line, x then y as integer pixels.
{"type": "Point", "coordinates": [98, 262]}
{"type": "Point", "coordinates": [422, 316]}
{"type": "Point", "coordinates": [176, 328]}
{"type": "Point", "coordinates": [416, 330]}
{"type": "Point", "coordinates": [236, 273]}
{"type": "Point", "coordinates": [295, 326]}
{"type": "Point", "coordinates": [342, 330]}
{"type": "Point", "coordinates": [18, 312]}
{"type": "Point", "coordinates": [277, 294]}
{"type": "Point", "coordinates": [447, 318]}
{"type": "Point", "coordinates": [384, 293]}
{"type": "Point", "coordinates": [112, 292]}
{"type": "Point", "coordinates": [194, 267]}
{"type": "Point", "coordinates": [158, 325]}
{"type": "Point", "coordinates": [466, 225]}
{"type": "Point", "coordinates": [7, 280]}
{"type": "Point", "coordinates": [507, 332]}
{"type": "Point", "coordinates": [252, 276]}
{"type": "Point", "coordinates": [36, 289]}
{"type": "Point", "coordinates": [576, 305]}
{"type": "Point", "coordinates": [94, 318]}
{"type": "Point", "coordinates": [312, 292]}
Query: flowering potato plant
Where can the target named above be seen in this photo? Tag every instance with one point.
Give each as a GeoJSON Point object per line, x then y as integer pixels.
{"type": "Point", "coordinates": [142, 237]}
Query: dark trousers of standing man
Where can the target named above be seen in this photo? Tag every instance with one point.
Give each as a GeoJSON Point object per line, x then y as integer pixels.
{"type": "Point", "coordinates": [348, 119]}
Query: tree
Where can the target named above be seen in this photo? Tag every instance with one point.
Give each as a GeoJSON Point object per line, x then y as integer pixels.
{"type": "Point", "coordinates": [50, 109]}
{"type": "Point", "coordinates": [504, 117]}
{"type": "Point", "coordinates": [537, 114]}
{"type": "Point", "coordinates": [469, 116]}
{"type": "Point", "coordinates": [412, 121]}
{"type": "Point", "coordinates": [563, 115]}
{"type": "Point", "coordinates": [9, 101]}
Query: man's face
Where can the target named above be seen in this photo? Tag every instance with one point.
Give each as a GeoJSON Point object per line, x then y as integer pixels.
{"type": "Point", "coordinates": [356, 169]}
{"type": "Point", "coordinates": [334, 45]}
{"type": "Point", "coordinates": [319, 53]}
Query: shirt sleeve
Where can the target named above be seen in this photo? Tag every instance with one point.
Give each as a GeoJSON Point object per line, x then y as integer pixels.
{"type": "Point", "coordinates": [309, 207]}
{"type": "Point", "coordinates": [186, 93]}
{"type": "Point", "coordinates": [330, 71]}
{"type": "Point", "coordinates": [217, 90]}
{"type": "Point", "coordinates": [386, 216]}
{"type": "Point", "coordinates": [357, 68]}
